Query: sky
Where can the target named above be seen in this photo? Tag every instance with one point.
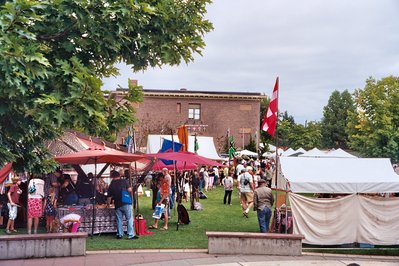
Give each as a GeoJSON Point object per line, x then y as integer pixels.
{"type": "Point", "coordinates": [314, 46]}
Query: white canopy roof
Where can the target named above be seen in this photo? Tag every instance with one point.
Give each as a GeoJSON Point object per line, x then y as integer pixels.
{"type": "Point", "coordinates": [315, 152]}
{"type": "Point", "coordinates": [206, 145]}
{"type": "Point", "coordinates": [340, 175]}
{"type": "Point", "coordinates": [288, 152]}
{"type": "Point", "coordinates": [339, 153]}
{"type": "Point", "coordinates": [247, 152]}
{"type": "Point", "coordinates": [301, 150]}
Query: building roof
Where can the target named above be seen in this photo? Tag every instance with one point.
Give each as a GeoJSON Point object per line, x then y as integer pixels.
{"type": "Point", "coordinates": [184, 93]}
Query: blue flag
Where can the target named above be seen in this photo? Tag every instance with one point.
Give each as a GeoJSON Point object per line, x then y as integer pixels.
{"type": "Point", "coordinates": [168, 145]}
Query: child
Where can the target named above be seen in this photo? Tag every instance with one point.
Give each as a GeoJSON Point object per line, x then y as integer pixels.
{"type": "Point", "coordinates": [50, 202]}
{"type": "Point", "coordinates": [13, 198]}
{"type": "Point", "coordinates": [71, 222]}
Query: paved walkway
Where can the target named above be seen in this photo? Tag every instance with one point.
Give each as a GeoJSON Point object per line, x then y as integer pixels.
{"type": "Point", "coordinates": [200, 257]}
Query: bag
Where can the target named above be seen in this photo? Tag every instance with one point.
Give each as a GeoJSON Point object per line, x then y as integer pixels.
{"type": "Point", "coordinates": [202, 195]}
{"type": "Point", "coordinates": [32, 189]}
{"type": "Point", "coordinates": [198, 206]}
{"type": "Point", "coordinates": [158, 211]}
{"type": "Point", "coordinates": [126, 199]}
{"type": "Point", "coordinates": [183, 214]}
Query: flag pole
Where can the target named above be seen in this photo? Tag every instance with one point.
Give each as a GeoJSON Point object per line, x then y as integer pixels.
{"type": "Point", "coordinates": [269, 125]}
{"type": "Point", "coordinates": [228, 145]}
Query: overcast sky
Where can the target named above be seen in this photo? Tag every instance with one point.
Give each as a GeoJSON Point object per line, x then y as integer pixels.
{"type": "Point", "coordinates": [314, 46]}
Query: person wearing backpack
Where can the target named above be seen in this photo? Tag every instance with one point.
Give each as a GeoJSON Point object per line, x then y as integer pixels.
{"type": "Point", "coordinates": [246, 186]}
{"type": "Point", "coordinates": [117, 191]}
{"type": "Point", "coordinates": [228, 188]}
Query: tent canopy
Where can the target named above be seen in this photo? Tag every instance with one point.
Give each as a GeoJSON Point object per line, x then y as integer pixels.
{"type": "Point", "coordinates": [206, 145]}
{"type": "Point", "coordinates": [247, 153]}
{"type": "Point", "coordinates": [340, 175]}
{"type": "Point", "coordinates": [340, 153]}
{"type": "Point", "coordinates": [315, 152]}
{"type": "Point", "coordinates": [94, 156]}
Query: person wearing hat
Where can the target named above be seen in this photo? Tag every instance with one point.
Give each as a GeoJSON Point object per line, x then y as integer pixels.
{"type": "Point", "coordinates": [263, 202]}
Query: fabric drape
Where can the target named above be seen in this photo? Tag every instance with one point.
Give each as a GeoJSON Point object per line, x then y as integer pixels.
{"type": "Point", "coordinates": [350, 219]}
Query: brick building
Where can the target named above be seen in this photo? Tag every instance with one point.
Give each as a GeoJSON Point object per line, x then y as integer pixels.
{"type": "Point", "coordinates": [207, 113]}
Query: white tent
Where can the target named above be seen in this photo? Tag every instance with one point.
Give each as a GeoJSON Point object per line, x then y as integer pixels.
{"type": "Point", "coordinates": [354, 218]}
{"type": "Point", "coordinates": [339, 153]}
{"type": "Point", "coordinates": [315, 152]}
{"type": "Point", "coordinates": [340, 175]}
{"type": "Point", "coordinates": [206, 145]}
{"type": "Point", "coordinates": [288, 152]}
{"type": "Point", "coordinates": [301, 150]}
{"type": "Point", "coordinates": [247, 153]}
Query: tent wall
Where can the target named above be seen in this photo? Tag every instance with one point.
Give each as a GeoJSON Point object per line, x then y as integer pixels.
{"type": "Point", "coordinates": [354, 218]}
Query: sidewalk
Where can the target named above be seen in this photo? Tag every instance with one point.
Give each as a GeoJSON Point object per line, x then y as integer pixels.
{"type": "Point", "coordinates": [183, 257]}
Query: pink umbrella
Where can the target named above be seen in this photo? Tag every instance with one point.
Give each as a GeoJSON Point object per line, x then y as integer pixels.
{"type": "Point", "coordinates": [5, 171]}
{"type": "Point", "coordinates": [94, 156]}
{"type": "Point", "coordinates": [158, 165]}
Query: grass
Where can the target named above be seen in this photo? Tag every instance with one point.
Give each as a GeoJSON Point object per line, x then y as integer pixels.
{"type": "Point", "coordinates": [215, 217]}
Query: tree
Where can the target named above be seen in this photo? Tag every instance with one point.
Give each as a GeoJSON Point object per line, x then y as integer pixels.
{"type": "Point", "coordinates": [251, 146]}
{"type": "Point", "coordinates": [335, 120]}
{"type": "Point", "coordinates": [296, 136]}
{"type": "Point", "coordinates": [374, 125]}
{"type": "Point", "coordinates": [53, 55]}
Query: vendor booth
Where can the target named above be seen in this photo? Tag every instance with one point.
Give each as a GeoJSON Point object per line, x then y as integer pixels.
{"type": "Point", "coordinates": [95, 218]}
{"type": "Point", "coordinates": [360, 211]}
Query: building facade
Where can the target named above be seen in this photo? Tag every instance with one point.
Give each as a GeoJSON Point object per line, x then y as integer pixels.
{"type": "Point", "coordinates": [207, 113]}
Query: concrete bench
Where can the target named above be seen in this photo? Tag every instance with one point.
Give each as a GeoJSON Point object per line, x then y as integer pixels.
{"type": "Point", "coordinates": [254, 243]}
{"type": "Point", "coordinates": [42, 245]}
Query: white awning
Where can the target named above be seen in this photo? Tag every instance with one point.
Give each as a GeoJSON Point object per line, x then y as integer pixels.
{"type": "Point", "coordinates": [339, 153]}
{"type": "Point", "coordinates": [339, 175]}
{"type": "Point", "coordinates": [247, 153]}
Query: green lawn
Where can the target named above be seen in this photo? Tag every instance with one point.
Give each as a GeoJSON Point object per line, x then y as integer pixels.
{"type": "Point", "coordinates": [215, 217]}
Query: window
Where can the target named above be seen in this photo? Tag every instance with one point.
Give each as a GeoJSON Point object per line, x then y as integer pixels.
{"type": "Point", "coordinates": [178, 108]}
{"type": "Point", "coordinates": [194, 111]}
{"type": "Point", "coordinates": [245, 107]}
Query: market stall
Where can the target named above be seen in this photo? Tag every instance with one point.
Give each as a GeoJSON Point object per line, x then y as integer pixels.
{"type": "Point", "coordinates": [102, 220]}
{"type": "Point", "coordinates": [360, 209]}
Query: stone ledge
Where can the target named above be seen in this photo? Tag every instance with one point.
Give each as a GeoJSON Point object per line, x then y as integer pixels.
{"type": "Point", "coordinates": [43, 236]}
{"type": "Point", "coordinates": [255, 235]}
{"type": "Point", "coordinates": [42, 245]}
{"type": "Point", "coordinates": [254, 243]}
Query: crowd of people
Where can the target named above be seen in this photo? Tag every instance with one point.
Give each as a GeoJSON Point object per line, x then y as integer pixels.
{"type": "Point", "coordinates": [46, 194]}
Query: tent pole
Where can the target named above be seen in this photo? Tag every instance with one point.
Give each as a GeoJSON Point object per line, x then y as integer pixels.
{"type": "Point", "coordinates": [286, 206]}
{"type": "Point", "coordinates": [134, 194]}
{"type": "Point", "coordinates": [276, 164]}
{"type": "Point", "coordinates": [94, 198]}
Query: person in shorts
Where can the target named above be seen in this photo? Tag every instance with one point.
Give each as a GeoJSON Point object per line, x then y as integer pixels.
{"type": "Point", "coordinates": [164, 191]}
{"type": "Point", "coordinates": [13, 204]}
{"type": "Point", "coordinates": [246, 186]}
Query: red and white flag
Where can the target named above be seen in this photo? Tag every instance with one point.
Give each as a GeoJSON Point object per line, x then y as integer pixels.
{"type": "Point", "coordinates": [270, 120]}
